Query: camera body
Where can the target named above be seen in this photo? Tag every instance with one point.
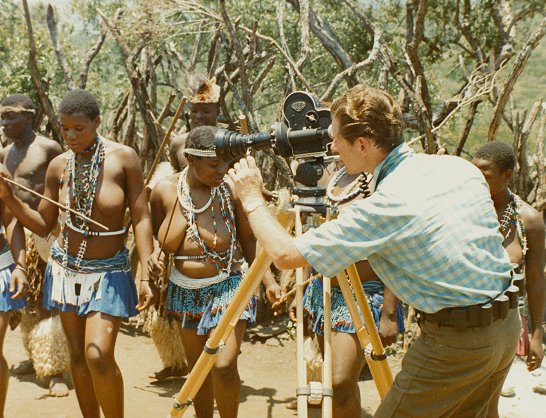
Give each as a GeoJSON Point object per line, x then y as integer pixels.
{"type": "Point", "coordinates": [302, 134]}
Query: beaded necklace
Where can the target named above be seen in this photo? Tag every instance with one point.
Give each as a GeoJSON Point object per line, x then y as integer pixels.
{"type": "Point", "coordinates": [81, 188]}
{"type": "Point", "coordinates": [360, 185]}
{"type": "Point", "coordinates": [222, 265]}
{"type": "Point", "coordinates": [511, 216]}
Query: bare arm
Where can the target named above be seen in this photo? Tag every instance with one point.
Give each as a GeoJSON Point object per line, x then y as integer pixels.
{"type": "Point", "coordinates": [15, 236]}
{"type": "Point", "coordinates": [141, 221]}
{"type": "Point", "coordinates": [534, 283]}
{"type": "Point", "coordinates": [40, 221]}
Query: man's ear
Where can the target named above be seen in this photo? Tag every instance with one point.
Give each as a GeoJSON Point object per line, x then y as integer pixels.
{"type": "Point", "coordinates": [363, 144]}
{"type": "Point", "coordinates": [97, 121]}
{"type": "Point", "coordinates": [508, 175]}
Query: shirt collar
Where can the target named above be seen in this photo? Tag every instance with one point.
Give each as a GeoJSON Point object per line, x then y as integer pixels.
{"type": "Point", "coordinates": [395, 157]}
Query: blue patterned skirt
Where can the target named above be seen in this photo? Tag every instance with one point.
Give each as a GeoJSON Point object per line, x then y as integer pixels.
{"type": "Point", "coordinates": [6, 267]}
{"type": "Point", "coordinates": [201, 309]}
{"type": "Point", "coordinates": [313, 306]}
{"type": "Point", "coordinates": [104, 285]}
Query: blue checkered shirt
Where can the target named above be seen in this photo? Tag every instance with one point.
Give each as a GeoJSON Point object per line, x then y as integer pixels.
{"type": "Point", "coordinates": [429, 231]}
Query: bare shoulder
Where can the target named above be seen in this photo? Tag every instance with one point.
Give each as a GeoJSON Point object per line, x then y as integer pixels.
{"type": "Point", "coordinates": [178, 140]}
{"type": "Point", "coordinates": [165, 188]}
{"type": "Point", "coordinates": [125, 153]}
{"type": "Point", "coordinates": [58, 163]}
{"type": "Point", "coordinates": [532, 219]}
{"type": "Point", "coordinates": [167, 185]}
{"type": "Point", "coordinates": [49, 147]}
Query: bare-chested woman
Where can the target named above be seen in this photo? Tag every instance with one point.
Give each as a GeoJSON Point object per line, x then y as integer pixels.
{"type": "Point", "coordinates": [200, 221]}
{"type": "Point", "coordinates": [88, 277]}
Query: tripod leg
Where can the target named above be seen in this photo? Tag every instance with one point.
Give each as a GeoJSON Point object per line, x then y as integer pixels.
{"type": "Point", "coordinates": [377, 360]}
{"type": "Point", "coordinates": [224, 328]}
{"type": "Point", "coordinates": [361, 332]}
{"type": "Point", "coordinates": [327, 363]}
{"type": "Point", "coordinates": [302, 372]}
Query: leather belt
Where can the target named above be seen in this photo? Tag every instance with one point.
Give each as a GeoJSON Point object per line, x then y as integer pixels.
{"type": "Point", "coordinates": [481, 315]}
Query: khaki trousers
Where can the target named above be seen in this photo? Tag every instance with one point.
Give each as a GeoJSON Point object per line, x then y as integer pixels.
{"type": "Point", "coordinates": [450, 373]}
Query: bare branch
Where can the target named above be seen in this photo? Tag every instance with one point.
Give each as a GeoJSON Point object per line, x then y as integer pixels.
{"type": "Point", "coordinates": [467, 127]}
{"type": "Point", "coordinates": [322, 30]}
{"type": "Point", "coordinates": [517, 69]}
{"type": "Point", "coordinates": [261, 76]}
{"type": "Point", "coordinates": [137, 82]}
{"type": "Point", "coordinates": [36, 77]}
{"type": "Point", "coordinates": [372, 58]}
{"type": "Point", "coordinates": [244, 82]}
{"type": "Point", "coordinates": [280, 24]}
{"type": "Point", "coordinates": [61, 60]}
{"type": "Point", "coordinates": [93, 52]}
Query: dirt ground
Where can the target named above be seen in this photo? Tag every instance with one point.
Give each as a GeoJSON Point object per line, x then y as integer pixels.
{"type": "Point", "coordinates": [268, 374]}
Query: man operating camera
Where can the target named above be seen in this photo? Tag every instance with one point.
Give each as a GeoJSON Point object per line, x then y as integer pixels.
{"type": "Point", "coordinates": [430, 232]}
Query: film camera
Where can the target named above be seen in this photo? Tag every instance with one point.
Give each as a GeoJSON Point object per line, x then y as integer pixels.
{"type": "Point", "coordinates": [303, 134]}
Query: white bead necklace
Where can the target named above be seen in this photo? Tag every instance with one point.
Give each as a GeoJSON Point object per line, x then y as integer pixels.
{"type": "Point", "coordinates": [184, 197]}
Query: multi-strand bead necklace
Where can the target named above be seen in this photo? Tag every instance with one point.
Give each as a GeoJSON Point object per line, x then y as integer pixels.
{"type": "Point", "coordinates": [228, 215]}
{"type": "Point", "coordinates": [511, 216]}
{"type": "Point", "coordinates": [360, 185]}
{"type": "Point", "coordinates": [81, 188]}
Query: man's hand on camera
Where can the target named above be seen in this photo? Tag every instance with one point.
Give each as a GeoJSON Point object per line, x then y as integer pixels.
{"type": "Point", "coordinates": [247, 179]}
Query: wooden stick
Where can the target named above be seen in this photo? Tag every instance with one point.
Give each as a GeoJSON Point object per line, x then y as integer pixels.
{"type": "Point", "coordinates": [57, 204]}
{"type": "Point", "coordinates": [301, 365]}
{"type": "Point", "coordinates": [291, 292]}
{"type": "Point", "coordinates": [327, 401]}
{"type": "Point", "coordinates": [379, 369]}
{"type": "Point", "coordinates": [243, 125]}
{"type": "Point", "coordinates": [165, 139]}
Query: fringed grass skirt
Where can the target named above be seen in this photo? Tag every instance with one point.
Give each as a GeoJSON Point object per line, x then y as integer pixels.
{"type": "Point", "coordinates": [6, 267]}
{"type": "Point", "coordinates": [201, 309]}
{"type": "Point", "coordinates": [313, 306]}
{"type": "Point", "coordinates": [105, 286]}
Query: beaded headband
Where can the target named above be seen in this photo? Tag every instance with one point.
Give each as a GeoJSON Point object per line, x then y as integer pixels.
{"type": "Point", "coordinates": [16, 109]}
{"type": "Point", "coordinates": [210, 153]}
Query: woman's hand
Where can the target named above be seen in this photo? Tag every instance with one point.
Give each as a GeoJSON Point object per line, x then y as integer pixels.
{"type": "Point", "coordinates": [273, 293]}
{"type": "Point", "coordinates": [156, 267]}
{"type": "Point", "coordinates": [18, 283]}
{"type": "Point", "coordinates": [146, 297]}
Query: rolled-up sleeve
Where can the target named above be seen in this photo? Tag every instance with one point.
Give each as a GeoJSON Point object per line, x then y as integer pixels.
{"type": "Point", "coordinates": [360, 230]}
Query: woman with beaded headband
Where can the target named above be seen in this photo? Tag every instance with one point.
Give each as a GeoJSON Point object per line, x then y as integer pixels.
{"type": "Point", "coordinates": [88, 278]}
{"type": "Point", "coordinates": [343, 189]}
{"type": "Point", "coordinates": [522, 228]}
{"type": "Point", "coordinates": [198, 218]}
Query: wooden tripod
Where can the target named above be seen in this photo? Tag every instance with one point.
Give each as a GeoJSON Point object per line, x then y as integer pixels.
{"type": "Point", "coordinates": [367, 335]}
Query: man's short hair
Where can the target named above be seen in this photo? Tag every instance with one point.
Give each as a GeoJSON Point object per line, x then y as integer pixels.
{"type": "Point", "coordinates": [499, 153]}
{"type": "Point", "coordinates": [80, 101]}
{"type": "Point", "coordinates": [368, 112]}
{"type": "Point", "coordinates": [18, 100]}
